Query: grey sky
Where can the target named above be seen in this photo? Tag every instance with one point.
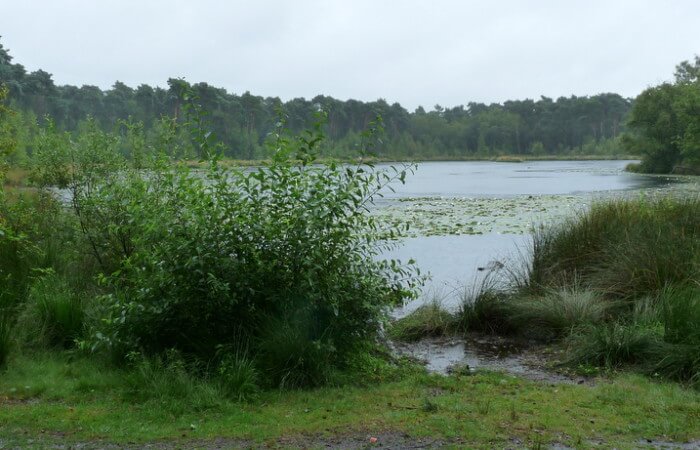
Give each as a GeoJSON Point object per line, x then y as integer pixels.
{"type": "Point", "coordinates": [413, 52]}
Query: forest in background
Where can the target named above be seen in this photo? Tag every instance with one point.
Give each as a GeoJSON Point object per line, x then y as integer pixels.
{"type": "Point", "coordinates": [565, 126]}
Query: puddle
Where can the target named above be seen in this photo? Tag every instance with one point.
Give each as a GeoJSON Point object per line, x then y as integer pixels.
{"type": "Point", "coordinates": [442, 355]}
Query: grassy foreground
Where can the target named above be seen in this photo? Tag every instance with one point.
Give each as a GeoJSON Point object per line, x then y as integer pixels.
{"type": "Point", "coordinates": [52, 398]}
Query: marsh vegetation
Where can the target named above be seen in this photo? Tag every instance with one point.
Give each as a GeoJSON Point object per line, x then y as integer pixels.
{"type": "Point", "coordinates": [139, 270]}
{"type": "Point", "coordinates": [616, 285]}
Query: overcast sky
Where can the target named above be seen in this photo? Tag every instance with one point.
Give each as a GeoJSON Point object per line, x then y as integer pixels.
{"type": "Point", "coordinates": [412, 52]}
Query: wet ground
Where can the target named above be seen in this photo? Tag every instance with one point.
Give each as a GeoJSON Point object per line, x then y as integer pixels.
{"type": "Point", "coordinates": [525, 359]}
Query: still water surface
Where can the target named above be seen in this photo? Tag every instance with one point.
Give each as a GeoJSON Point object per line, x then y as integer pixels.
{"type": "Point", "coordinates": [457, 262]}
{"type": "Point", "coordinates": [498, 179]}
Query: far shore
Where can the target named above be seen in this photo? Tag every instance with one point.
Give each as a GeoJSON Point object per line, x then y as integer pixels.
{"type": "Point", "coordinates": [500, 158]}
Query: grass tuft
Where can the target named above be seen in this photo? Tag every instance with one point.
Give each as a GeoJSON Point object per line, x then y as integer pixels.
{"type": "Point", "coordinates": [488, 311]}
{"type": "Point", "coordinates": [614, 345]}
{"type": "Point", "coordinates": [54, 316]}
{"type": "Point", "coordinates": [167, 380]}
{"type": "Point", "coordinates": [619, 283]}
{"type": "Point", "coordinates": [291, 356]}
{"type": "Point", "coordinates": [429, 320]}
{"type": "Point", "coordinates": [558, 311]}
{"type": "Point", "coordinates": [5, 338]}
{"type": "Point", "coordinates": [624, 248]}
{"type": "Point", "coordinates": [238, 376]}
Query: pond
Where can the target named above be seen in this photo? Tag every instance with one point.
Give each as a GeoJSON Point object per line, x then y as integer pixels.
{"type": "Point", "coordinates": [467, 218]}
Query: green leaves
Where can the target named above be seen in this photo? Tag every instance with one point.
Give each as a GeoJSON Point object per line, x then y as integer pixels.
{"type": "Point", "coordinates": [210, 257]}
{"type": "Point", "coordinates": [665, 121]}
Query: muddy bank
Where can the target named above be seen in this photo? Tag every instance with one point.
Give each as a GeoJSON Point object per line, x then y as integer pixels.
{"type": "Point", "coordinates": [475, 352]}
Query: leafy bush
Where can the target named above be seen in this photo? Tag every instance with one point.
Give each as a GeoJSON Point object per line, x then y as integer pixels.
{"type": "Point", "coordinates": [36, 234]}
{"type": "Point", "coordinates": [18, 254]}
{"type": "Point", "coordinates": [281, 255]}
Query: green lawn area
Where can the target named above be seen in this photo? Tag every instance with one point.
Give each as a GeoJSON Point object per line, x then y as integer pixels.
{"type": "Point", "coordinates": [54, 399]}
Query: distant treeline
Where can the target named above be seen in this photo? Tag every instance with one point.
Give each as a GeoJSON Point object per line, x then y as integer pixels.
{"type": "Point", "coordinates": [573, 125]}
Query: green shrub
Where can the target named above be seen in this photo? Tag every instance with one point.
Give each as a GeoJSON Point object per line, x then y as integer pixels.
{"type": "Point", "coordinates": [285, 255]}
{"type": "Point", "coordinates": [35, 235]}
{"type": "Point", "coordinates": [18, 254]}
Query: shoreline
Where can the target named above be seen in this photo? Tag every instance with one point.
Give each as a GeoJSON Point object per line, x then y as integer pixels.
{"type": "Point", "coordinates": [382, 160]}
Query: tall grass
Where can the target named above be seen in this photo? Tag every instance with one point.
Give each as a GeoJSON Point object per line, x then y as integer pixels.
{"type": "Point", "coordinates": [623, 248]}
{"type": "Point", "coordinates": [681, 314]}
{"type": "Point", "coordinates": [681, 319]}
{"type": "Point", "coordinates": [557, 312]}
{"type": "Point", "coordinates": [168, 381]}
{"type": "Point", "coordinates": [292, 355]}
{"type": "Point", "coordinates": [486, 310]}
{"type": "Point", "coordinates": [429, 320]}
{"type": "Point", "coordinates": [54, 314]}
{"type": "Point", "coordinates": [5, 338]}
{"type": "Point", "coordinates": [616, 344]}
{"type": "Point", "coordinates": [619, 283]}
{"type": "Point", "coordinates": [238, 376]}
